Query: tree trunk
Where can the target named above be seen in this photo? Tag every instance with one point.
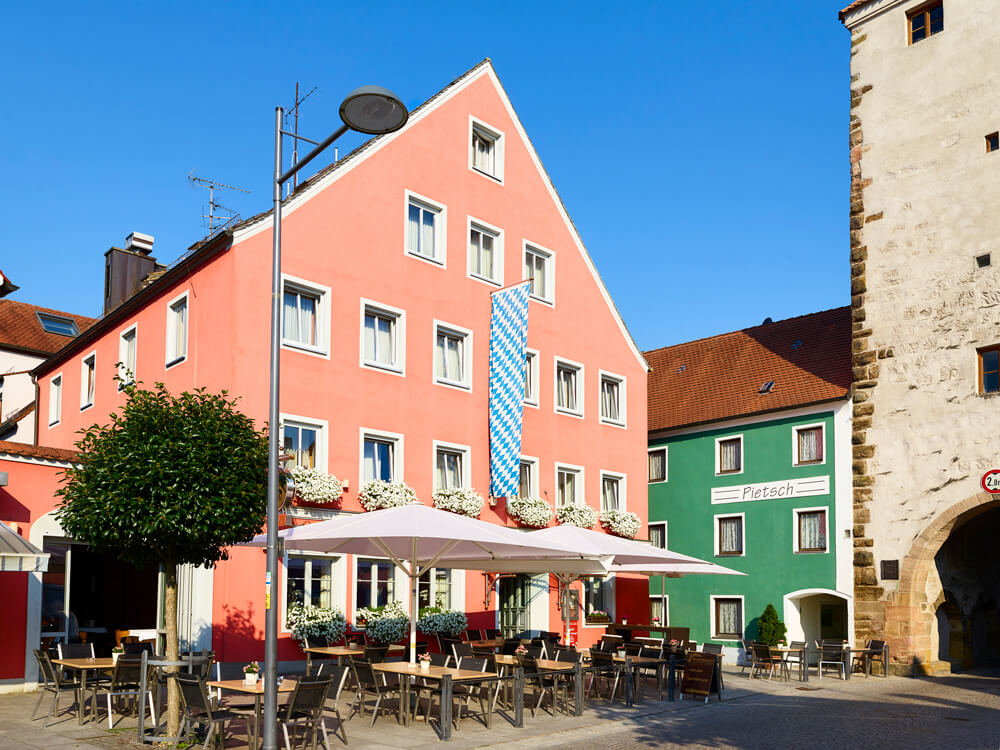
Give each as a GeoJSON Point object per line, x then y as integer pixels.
{"type": "Point", "coordinates": [170, 621]}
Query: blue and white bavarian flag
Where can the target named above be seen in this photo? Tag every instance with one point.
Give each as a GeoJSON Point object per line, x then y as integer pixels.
{"type": "Point", "coordinates": [508, 337]}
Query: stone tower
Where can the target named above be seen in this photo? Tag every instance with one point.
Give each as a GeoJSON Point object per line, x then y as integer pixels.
{"type": "Point", "coordinates": [925, 286]}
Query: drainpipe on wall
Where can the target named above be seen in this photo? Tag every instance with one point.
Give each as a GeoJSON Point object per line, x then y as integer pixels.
{"type": "Point", "coordinates": [38, 393]}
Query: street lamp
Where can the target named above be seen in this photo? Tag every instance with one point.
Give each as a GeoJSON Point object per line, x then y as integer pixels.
{"type": "Point", "coordinates": [369, 109]}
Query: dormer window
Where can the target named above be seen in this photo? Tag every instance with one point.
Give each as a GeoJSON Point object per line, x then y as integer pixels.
{"type": "Point", "coordinates": [486, 150]}
{"type": "Point", "coordinates": [58, 325]}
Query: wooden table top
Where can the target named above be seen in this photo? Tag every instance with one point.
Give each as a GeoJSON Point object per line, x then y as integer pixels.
{"type": "Point", "coordinates": [495, 643]}
{"type": "Point", "coordinates": [435, 673]}
{"type": "Point", "coordinates": [286, 686]}
{"type": "Point", "coordinates": [550, 665]}
{"type": "Point", "coordinates": [86, 663]}
{"type": "Point", "coordinates": [788, 649]}
{"type": "Point", "coordinates": [345, 651]}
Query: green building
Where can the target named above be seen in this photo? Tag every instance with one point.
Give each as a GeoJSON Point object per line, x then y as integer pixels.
{"type": "Point", "coordinates": [750, 467]}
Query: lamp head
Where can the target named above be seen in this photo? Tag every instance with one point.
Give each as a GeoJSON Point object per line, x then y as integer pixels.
{"type": "Point", "coordinates": [373, 110]}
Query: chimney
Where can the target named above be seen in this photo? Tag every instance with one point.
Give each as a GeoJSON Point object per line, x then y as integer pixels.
{"type": "Point", "coordinates": [125, 270]}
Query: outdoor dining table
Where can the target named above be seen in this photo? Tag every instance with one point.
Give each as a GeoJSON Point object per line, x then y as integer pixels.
{"type": "Point", "coordinates": [633, 684]}
{"type": "Point", "coordinates": [489, 643]}
{"type": "Point", "coordinates": [83, 666]}
{"type": "Point", "coordinates": [850, 653]}
{"type": "Point", "coordinates": [257, 691]}
{"type": "Point", "coordinates": [803, 652]}
{"type": "Point", "coordinates": [341, 651]}
{"type": "Point", "coordinates": [505, 661]}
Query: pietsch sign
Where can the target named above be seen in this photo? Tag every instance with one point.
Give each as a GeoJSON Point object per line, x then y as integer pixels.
{"type": "Point", "coordinates": [743, 493]}
{"type": "Point", "coordinates": [991, 481]}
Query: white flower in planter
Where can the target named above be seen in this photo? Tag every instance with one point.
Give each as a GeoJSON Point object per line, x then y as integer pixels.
{"type": "Point", "coordinates": [445, 621]}
{"type": "Point", "coordinates": [386, 624]}
{"type": "Point", "coordinates": [376, 495]}
{"type": "Point", "coordinates": [315, 623]}
{"type": "Point", "coordinates": [463, 501]}
{"type": "Point", "coordinates": [530, 511]}
{"type": "Point", "coordinates": [315, 486]}
{"type": "Point", "coordinates": [577, 515]}
{"type": "Point", "coordinates": [621, 522]}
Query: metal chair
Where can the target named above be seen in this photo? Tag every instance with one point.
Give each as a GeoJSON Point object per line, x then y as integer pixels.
{"type": "Point", "coordinates": [747, 656]}
{"type": "Point", "coordinates": [54, 682]}
{"type": "Point", "coordinates": [75, 650]}
{"type": "Point", "coordinates": [711, 648]}
{"type": "Point", "coordinates": [368, 684]}
{"type": "Point", "coordinates": [604, 667]}
{"type": "Point", "coordinates": [305, 709]}
{"type": "Point", "coordinates": [764, 659]}
{"type": "Point", "coordinates": [375, 653]}
{"type": "Point", "coordinates": [125, 681]}
{"type": "Point", "coordinates": [197, 709]}
{"type": "Point", "coordinates": [543, 682]}
{"type": "Point", "coordinates": [510, 646]}
{"type": "Point", "coordinates": [461, 650]}
{"type": "Point", "coordinates": [831, 653]}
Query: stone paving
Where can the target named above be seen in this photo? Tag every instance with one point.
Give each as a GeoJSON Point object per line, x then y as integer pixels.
{"type": "Point", "coordinates": [960, 711]}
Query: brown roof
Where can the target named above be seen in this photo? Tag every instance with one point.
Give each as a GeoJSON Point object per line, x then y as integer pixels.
{"type": "Point", "coordinates": [853, 6]}
{"type": "Point", "coordinates": [20, 328]}
{"type": "Point", "coordinates": [808, 358]}
{"type": "Point", "coordinates": [11, 422]}
{"type": "Point", "coordinates": [37, 451]}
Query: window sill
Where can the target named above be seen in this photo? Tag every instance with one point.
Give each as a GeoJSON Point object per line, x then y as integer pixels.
{"type": "Point", "coordinates": [84, 407]}
{"type": "Point", "coordinates": [297, 346]}
{"type": "Point", "coordinates": [532, 404]}
{"type": "Point", "coordinates": [433, 261]}
{"type": "Point", "coordinates": [810, 463]}
{"type": "Point", "coordinates": [456, 385]}
{"type": "Point", "coordinates": [656, 481]}
{"type": "Point", "coordinates": [487, 175]}
{"type": "Point", "coordinates": [54, 424]}
{"type": "Point", "coordinates": [612, 423]}
{"type": "Point", "coordinates": [175, 361]}
{"type": "Point", "coordinates": [729, 473]}
{"type": "Point", "coordinates": [485, 279]}
{"type": "Point", "coordinates": [730, 554]}
{"type": "Point", "coordinates": [811, 551]}
{"type": "Point", "coordinates": [569, 413]}
{"type": "Point", "coordinates": [379, 367]}
{"type": "Point", "coordinates": [542, 300]}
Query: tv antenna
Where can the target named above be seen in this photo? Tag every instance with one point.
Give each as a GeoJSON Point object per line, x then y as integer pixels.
{"type": "Point", "coordinates": [293, 112]}
{"type": "Point", "coordinates": [213, 219]}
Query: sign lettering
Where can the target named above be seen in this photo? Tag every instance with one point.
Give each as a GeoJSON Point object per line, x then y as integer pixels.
{"type": "Point", "coordinates": [991, 481]}
{"type": "Point", "coordinates": [742, 493]}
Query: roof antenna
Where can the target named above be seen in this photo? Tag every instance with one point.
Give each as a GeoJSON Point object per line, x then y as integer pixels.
{"type": "Point", "coordinates": [293, 112]}
{"type": "Point", "coordinates": [212, 218]}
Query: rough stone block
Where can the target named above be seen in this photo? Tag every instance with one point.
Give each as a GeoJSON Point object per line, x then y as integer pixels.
{"type": "Point", "coordinates": [867, 593]}
{"type": "Point", "coordinates": [858, 436]}
{"type": "Point", "coordinates": [862, 495]}
{"type": "Point", "coordinates": [864, 543]}
{"type": "Point", "coordinates": [865, 577]}
{"type": "Point", "coordinates": [863, 410]}
{"type": "Point", "coordinates": [864, 384]}
{"type": "Point", "coordinates": [863, 557]}
{"type": "Point", "coordinates": [862, 515]}
{"type": "Point", "coordinates": [859, 468]}
{"type": "Point", "coordinates": [858, 285]}
{"type": "Point", "coordinates": [860, 397]}
{"type": "Point", "coordinates": [864, 481]}
{"type": "Point", "coordinates": [859, 530]}
{"type": "Point", "coordinates": [873, 371]}
{"type": "Point", "coordinates": [858, 314]}
{"type": "Point", "coordinates": [864, 358]}
{"type": "Point", "coordinates": [873, 217]}
{"type": "Point", "coordinates": [860, 373]}
{"type": "Point", "coordinates": [859, 254]}
{"type": "Point", "coordinates": [858, 269]}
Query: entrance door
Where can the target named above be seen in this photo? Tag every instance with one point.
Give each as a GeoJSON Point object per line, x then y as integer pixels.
{"type": "Point", "coordinates": [833, 621]}
{"type": "Point", "coordinates": [514, 594]}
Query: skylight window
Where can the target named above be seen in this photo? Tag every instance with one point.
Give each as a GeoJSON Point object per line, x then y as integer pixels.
{"type": "Point", "coordinates": [797, 343]}
{"type": "Point", "coordinates": [57, 325]}
{"type": "Point", "coordinates": [766, 388]}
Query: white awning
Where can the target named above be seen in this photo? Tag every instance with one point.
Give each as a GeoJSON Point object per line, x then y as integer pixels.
{"type": "Point", "coordinates": [19, 555]}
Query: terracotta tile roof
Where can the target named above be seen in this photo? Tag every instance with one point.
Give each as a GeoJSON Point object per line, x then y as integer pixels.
{"type": "Point", "coordinates": [808, 358]}
{"type": "Point", "coordinates": [853, 6]}
{"type": "Point", "coordinates": [20, 329]}
{"type": "Point", "coordinates": [37, 451]}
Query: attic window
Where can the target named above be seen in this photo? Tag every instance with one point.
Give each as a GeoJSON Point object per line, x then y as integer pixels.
{"type": "Point", "coordinates": [682, 368]}
{"type": "Point", "coordinates": [766, 388]}
{"type": "Point", "coordinates": [796, 344]}
{"type": "Point", "coordinates": [57, 325]}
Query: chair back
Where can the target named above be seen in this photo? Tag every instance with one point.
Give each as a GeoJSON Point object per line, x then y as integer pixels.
{"type": "Point", "coordinates": [652, 652]}
{"type": "Point", "coordinates": [193, 693]}
{"type": "Point", "coordinates": [491, 663]}
{"type": "Point", "coordinates": [469, 635]}
{"type": "Point", "coordinates": [632, 649]}
{"type": "Point", "coordinates": [761, 652]}
{"type": "Point", "coordinates": [137, 647]}
{"type": "Point", "coordinates": [491, 634]}
{"type": "Point", "coordinates": [711, 648]}
{"type": "Point", "coordinates": [376, 653]}
{"type": "Point", "coordinates": [46, 669]}
{"type": "Point", "coordinates": [482, 652]}
{"type": "Point", "coordinates": [510, 646]}
{"type": "Point", "coordinates": [614, 640]}
{"type": "Point", "coordinates": [440, 660]}
{"type": "Point", "coordinates": [876, 645]}
{"type": "Point", "coordinates": [127, 672]}
{"type": "Point", "coordinates": [536, 652]}
{"type": "Point", "coordinates": [472, 664]}
{"type": "Point", "coordinates": [527, 663]}
{"type": "Point", "coordinates": [422, 647]}
{"type": "Point", "coordinates": [797, 644]}
{"type": "Point", "coordinates": [650, 642]}
{"type": "Point", "coordinates": [601, 659]}
{"type": "Point", "coordinates": [569, 655]}
{"type": "Point", "coordinates": [832, 651]}
{"type": "Point", "coordinates": [690, 645]}
{"type": "Point", "coordinates": [461, 650]}
{"type": "Point", "coordinates": [338, 678]}
{"type": "Point", "coordinates": [76, 650]}
{"type": "Point", "coordinates": [364, 674]}
{"type": "Point", "coordinates": [308, 697]}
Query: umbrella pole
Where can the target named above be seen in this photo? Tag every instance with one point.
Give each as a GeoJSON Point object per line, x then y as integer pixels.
{"type": "Point", "coordinates": [414, 578]}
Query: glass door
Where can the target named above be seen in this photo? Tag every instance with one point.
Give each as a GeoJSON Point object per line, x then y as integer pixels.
{"type": "Point", "coordinates": [514, 595]}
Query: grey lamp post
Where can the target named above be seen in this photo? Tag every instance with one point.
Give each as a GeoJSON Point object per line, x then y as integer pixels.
{"type": "Point", "coordinates": [369, 109]}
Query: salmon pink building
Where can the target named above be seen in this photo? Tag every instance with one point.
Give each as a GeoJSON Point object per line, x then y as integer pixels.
{"type": "Point", "coordinates": [390, 258]}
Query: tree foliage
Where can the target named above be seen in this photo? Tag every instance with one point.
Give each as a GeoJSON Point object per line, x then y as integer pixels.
{"type": "Point", "coordinates": [173, 479]}
{"type": "Point", "coordinates": [770, 629]}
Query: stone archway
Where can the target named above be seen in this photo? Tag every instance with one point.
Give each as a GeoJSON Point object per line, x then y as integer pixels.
{"type": "Point", "coordinates": [911, 611]}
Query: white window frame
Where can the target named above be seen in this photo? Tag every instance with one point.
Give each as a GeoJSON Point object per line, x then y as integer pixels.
{"type": "Point", "coordinates": [322, 428]}
{"type": "Point", "coordinates": [498, 254]}
{"type": "Point", "coordinates": [126, 377]}
{"type": "Point", "coordinates": [579, 494]}
{"type": "Point", "coordinates": [86, 397]}
{"type": "Point", "coordinates": [497, 136]}
{"type": "Point", "coordinates": [795, 443]}
{"type": "Point", "coordinates": [399, 339]}
{"type": "Point", "coordinates": [323, 302]}
{"type": "Point", "coordinates": [535, 378]}
{"type": "Point", "coordinates": [796, 546]}
{"type": "Point", "coordinates": [666, 464]}
{"type": "Point", "coordinates": [395, 438]}
{"type": "Point", "coordinates": [338, 580]}
{"type": "Point", "coordinates": [440, 210]}
{"type": "Point", "coordinates": [171, 357]}
{"type": "Point", "coordinates": [622, 488]}
{"type": "Point", "coordinates": [665, 598]}
{"type": "Point", "coordinates": [715, 532]}
{"type": "Point", "coordinates": [401, 584]}
{"type": "Point", "coordinates": [666, 541]}
{"type": "Point", "coordinates": [55, 399]}
{"type": "Point", "coordinates": [622, 421]}
{"type": "Point", "coordinates": [609, 581]}
{"type": "Point", "coordinates": [718, 456]}
{"type": "Point", "coordinates": [549, 297]}
{"type": "Point", "coordinates": [452, 593]}
{"type": "Point", "coordinates": [466, 453]}
{"type": "Point", "coordinates": [465, 383]}
{"type": "Point", "coordinates": [743, 616]}
{"type": "Point", "coordinates": [581, 387]}
{"type": "Point", "coordinates": [532, 463]}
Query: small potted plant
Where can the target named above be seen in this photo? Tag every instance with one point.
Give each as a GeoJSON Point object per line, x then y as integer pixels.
{"type": "Point", "coordinates": [520, 651]}
{"type": "Point", "coordinates": [656, 620]}
{"type": "Point", "coordinates": [624, 621]}
{"type": "Point", "coordinates": [116, 652]}
{"type": "Point", "coordinates": [250, 674]}
{"type": "Point", "coordinates": [425, 662]}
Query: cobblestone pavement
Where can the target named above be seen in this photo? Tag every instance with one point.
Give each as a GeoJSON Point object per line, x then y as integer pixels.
{"type": "Point", "coordinates": [961, 711]}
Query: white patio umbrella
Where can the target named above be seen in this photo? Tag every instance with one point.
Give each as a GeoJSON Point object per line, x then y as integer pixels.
{"type": "Point", "coordinates": [416, 538]}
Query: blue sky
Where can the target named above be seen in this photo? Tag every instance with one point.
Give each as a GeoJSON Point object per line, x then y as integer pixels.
{"type": "Point", "coordinates": [701, 148]}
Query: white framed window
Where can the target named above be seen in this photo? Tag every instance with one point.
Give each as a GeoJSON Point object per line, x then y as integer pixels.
{"type": "Point", "coordinates": [58, 324]}
{"type": "Point", "coordinates": [177, 330]}
{"type": "Point", "coordinates": [305, 440]}
{"type": "Point", "coordinates": [569, 485]}
{"type": "Point", "coordinates": [809, 444]}
{"type": "Point", "coordinates": [452, 469]}
{"type": "Point", "coordinates": [88, 380]}
{"type": "Point", "coordinates": [659, 609]}
{"type": "Point", "coordinates": [599, 597]}
{"type": "Point", "coordinates": [612, 398]}
{"type": "Point", "coordinates": [305, 316]}
{"type": "Point", "coordinates": [540, 267]}
{"type": "Point", "coordinates": [426, 224]}
{"type": "Point", "coordinates": [726, 615]}
{"type": "Point", "coordinates": [658, 464]}
{"type": "Point", "coordinates": [55, 400]}
{"type": "Point", "coordinates": [381, 456]}
{"type": "Point", "coordinates": [811, 530]}
{"type": "Point", "coordinates": [434, 589]}
{"type": "Point", "coordinates": [730, 538]}
{"type": "Point", "coordinates": [309, 579]}
{"type": "Point", "coordinates": [128, 343]}
{"type": "Point", "coordinates": [729, 454]}
{"type": "Point", "coordinates": [527, 485]}
{"type": "Point", "coordinates": [485, 261]}
{"type": "Point", "coordinates": [568, 387]}
{"type": "Point", "coordinates": [452, 355]}
{"type": "Point", "coordinates": [612, 491]}
{"type": "Point", "coordinates": [486, 150]}
{"type": "Point", "coordinates": [374, 582]}
{"type": "Point", "coordinates": [658, 534]}
{"type": "Point", "coordinates": [383, 337]}
{"type": "Point", "coordinates": [532, 363]}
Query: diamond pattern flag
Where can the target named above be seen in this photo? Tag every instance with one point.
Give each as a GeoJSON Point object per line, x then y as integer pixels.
{"type": "Point", "coordinates": [508, 337]}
